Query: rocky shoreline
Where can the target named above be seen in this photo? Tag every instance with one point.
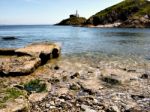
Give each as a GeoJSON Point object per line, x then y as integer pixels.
{"type": "Point", "coordinates": [62, 85]}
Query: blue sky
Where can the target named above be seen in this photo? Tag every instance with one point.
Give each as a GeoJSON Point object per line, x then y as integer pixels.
{"type": "Point", "coordinates": [48, 11]}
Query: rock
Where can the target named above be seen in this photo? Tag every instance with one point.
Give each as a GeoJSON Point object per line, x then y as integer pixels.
{"type": "Point", "coordinates": [48, 86]}
{"type": "Point", "coordinates": [18, 105]}
{"type": "Point", "coordinates": [18, 65]}
{"type": "Point", "coordinates": [43, 50]}
{"type": "Point", "coordinates": [23, 61]}
{"type": "Point", "coordinates": [7, 51]}
{"type": "Point", "coordinates": [65, 97]}
{"type": "Point", "coordinates": [76, 75]}
{"type": "Point", "coordinates": [47, 105]}
{"type": "Point", "coordinates": [87, 108]}
{"type": "Point", "coordinates": [35, 97]}
{"type": "Point", "coordinates": [90, 86]}
{"type": "Point", "coordinates": [75, 86]}
{"type": "Point", "coordinates": [144, 76]}
{"type": "Point", "coordinates": [7, 38]}
{"type": "Point", "coordinates": [137, 97]}
{"type": "Point", "coordinates": [113, 109]}
{"type": "Point", "coordinates": [117, 76]}
{"type": "Point", "coordinates": [62, 91]}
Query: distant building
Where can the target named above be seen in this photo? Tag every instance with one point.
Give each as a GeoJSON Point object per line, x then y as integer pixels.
{"type": "Point", "coordinates": [74, 15]}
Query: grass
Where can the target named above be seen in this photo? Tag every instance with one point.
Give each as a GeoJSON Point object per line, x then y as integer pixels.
{"type": "Point", "coordinates": [35, 86]}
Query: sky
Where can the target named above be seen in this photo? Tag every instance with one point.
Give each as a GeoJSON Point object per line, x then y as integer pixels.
{"type": "Point", "coordinates": [48, 11]}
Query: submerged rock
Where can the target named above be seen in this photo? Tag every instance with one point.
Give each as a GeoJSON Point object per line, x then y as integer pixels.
{"type": "Point", "coordinates": [9, 38]}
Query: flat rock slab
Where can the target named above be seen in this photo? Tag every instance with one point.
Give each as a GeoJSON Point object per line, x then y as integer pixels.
{"type": "Point", "coordinates": [37, 49]}
{"type": "Point", "coordinates": [18, 65]}
{"type": "Point", "coordinates": [25, 60]}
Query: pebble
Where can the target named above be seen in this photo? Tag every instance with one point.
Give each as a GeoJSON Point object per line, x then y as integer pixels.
{"type": "Point", "coordinates": [47, 105]}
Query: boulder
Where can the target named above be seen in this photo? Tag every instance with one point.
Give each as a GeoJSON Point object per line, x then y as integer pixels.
{"type": "Point", "coordinates": [42, 50]}
{"type": "Point", "coordinates": [25, 60]}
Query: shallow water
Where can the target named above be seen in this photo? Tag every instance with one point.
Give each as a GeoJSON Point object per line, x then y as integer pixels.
{"type": "Point", "coordinates": [80, 41]}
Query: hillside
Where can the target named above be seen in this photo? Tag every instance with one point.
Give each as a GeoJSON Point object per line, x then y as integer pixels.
{"type": "Point", "coordinates": [130, 13]}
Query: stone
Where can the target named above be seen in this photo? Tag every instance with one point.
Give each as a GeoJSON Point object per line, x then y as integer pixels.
{"type": "Point", "coordinates": [113, 109]}
{"type": "Point", "coordinates": [87, 108]}
{"type": "Point", "coordinates": [48, 86]}
{"type": "Point", "coordinates": [75, 86]}
{"type": "Point", "coordinates": [61, 91]}
{"type": "Point", "coordinates": [35, 97]}
{"type": "Point", "coordinates": [47, 105]}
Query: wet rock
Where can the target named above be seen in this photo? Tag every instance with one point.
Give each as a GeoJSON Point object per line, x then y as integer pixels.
{"type": "Point", "coordinates": [35, 97]}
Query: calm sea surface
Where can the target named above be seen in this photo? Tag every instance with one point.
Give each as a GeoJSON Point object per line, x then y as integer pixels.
{"type": "Point", "coordinates": [79, 40]}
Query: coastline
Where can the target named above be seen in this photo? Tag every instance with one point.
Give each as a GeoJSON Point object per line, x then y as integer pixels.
{"type": "Point", "coordinates": [76, 83]}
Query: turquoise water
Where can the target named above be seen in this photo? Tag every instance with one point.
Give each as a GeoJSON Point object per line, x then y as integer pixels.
{"type": "Point", "coordinates": [81, 40]}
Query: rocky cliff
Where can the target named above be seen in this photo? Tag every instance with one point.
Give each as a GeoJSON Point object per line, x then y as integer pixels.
{"type": "Point", "coordinates": [130, 13]}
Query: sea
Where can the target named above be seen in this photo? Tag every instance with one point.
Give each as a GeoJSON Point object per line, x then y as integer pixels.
{"type": "Point", "coordinates": [83, 42]}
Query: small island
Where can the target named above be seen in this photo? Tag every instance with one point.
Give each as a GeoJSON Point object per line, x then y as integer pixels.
{"type": "Point", "coordinates": [74, 20]}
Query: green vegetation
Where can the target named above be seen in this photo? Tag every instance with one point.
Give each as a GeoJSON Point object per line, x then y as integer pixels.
{"type": "Point", "coordinates": [10, 94]}
{"type": "Point", "coordinates": [121, 12]}
{"type": "Point", "coordinates": [73, 21]}
{"type": "Point", "coordinates": [35, 85]}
